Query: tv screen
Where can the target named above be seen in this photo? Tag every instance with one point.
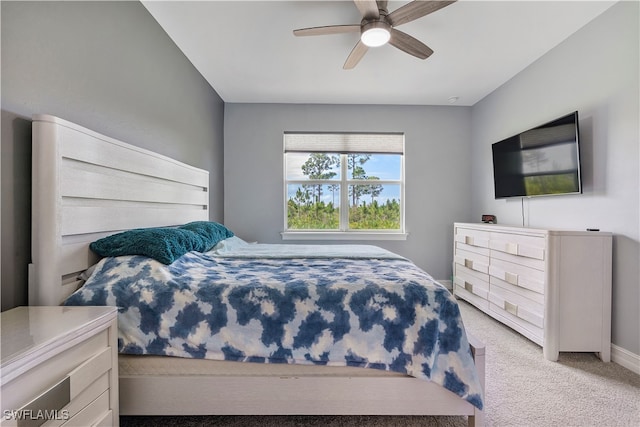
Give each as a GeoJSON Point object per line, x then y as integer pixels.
{"type": "Point", "coordinates": [541, 161]}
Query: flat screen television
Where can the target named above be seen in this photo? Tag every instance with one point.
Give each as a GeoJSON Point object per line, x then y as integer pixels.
{"type": "Point", "coordinates": [541, 161]}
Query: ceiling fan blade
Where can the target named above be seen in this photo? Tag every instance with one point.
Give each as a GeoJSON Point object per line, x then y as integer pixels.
{"type": "Point", "coordinates": [356, 55]}
{"type": "Point", "coordinates": [414, 10]}
{"type": "Point", "coordinates": [368, 8]}
{"type": "Point", "coordinates": [410, 45]}
{"type": "Point", "coordinates": [330, 29]}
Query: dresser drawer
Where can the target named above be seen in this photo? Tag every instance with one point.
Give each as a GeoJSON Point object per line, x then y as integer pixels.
{"type": "Point", "coordinates": [533, 296]}
{"type": "Point", "coordinates": [481, 303]}
{"type": "Point", "coordinates": [518, 305]}
{"type": "Point", "coordinates": [472, 260]}
{"type": "Point", "coordinates": [71, 392]}
{"type": "Point", "coordinates": [536, 264]}
{"type": "Point", "coordinates": [522, 318]}
{"type": "Point", "coordinates": [473, 283]}
{"type": "Point", "coordinates": [520, 245]}
{"type": "Point", "coordinates": [51, 372]}
{"type": "Point", "coordinates": [91, 414]}
{"type": "Point", "coordinates": [88, 395]}
{"type": "Point", "coordinates": [471, 237]}
{"type": "Point", "coordinates": [518, 275]}
{"type": "Point", "coordinates": [476, 249]}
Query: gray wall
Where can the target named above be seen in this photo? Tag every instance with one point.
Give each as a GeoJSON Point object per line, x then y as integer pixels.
{"type": "Point", "coordinates": [437, 177]}
{"type": "Point", "coordinates": [595, 72]}
{"type": "Point", "coordinates": [107, 66]}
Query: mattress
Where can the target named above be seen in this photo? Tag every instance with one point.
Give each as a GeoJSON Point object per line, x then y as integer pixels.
{"type": "Point", "coordinates": [293, 314]}
{"type": "Point", "coordinates": [149, 365]}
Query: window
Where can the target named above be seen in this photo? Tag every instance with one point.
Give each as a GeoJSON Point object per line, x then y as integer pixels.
{"type": "Point", "coordinates": [337, 185]}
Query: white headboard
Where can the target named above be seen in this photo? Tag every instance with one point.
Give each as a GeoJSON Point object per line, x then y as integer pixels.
{"type": "Point", "coordinates": [87, 186]}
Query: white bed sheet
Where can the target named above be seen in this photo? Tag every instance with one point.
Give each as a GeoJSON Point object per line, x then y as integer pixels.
{"type": "Point", "coordinates": [234, 247]}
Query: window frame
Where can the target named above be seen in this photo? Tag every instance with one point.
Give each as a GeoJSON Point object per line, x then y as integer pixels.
{"type": "Point", "coordinates": [344, 232]}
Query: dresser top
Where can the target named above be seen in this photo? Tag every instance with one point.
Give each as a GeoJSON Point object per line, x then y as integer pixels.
{"type": "Point", "coordinates": [25, 330]}
{"type": "Point", "coordinates": [528, 230]}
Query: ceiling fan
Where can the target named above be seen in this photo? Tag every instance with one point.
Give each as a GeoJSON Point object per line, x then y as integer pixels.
{"type": "Point", "coordinates": [377, 28]}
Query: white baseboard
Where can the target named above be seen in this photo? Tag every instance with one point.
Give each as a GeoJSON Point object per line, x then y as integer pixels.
{"type": "Point", "coordinates": [625, 358]}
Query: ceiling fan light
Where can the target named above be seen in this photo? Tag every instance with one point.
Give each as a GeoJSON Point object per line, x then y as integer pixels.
{"type": "Point", "coordinates": [376, 36]}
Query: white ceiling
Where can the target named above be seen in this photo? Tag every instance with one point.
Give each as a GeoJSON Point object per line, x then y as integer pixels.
{"type": "Point", "coordinates": [247, 52]}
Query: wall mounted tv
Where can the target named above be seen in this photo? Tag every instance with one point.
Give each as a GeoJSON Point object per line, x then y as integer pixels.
{"type": "Point", "coordinates": [541, 161]}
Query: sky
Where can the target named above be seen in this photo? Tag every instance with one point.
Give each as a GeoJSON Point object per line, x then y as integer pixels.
{"type": "Point", "coordinates": [383, 166]}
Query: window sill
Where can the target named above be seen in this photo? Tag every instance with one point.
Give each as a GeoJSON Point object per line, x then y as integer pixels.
{"type": "Point", "coordinates": [343, 235]}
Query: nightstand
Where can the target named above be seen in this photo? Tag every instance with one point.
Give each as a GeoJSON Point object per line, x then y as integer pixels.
{"type": "Point", "coordinates": [59, 366]}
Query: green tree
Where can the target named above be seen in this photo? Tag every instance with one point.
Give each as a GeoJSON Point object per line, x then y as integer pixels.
{"type": "Point", "coordinates": [334, 188]}
{"type": "Point", "coordinates": [354, 164]}
{"type": "Point", "coordinates": [302, 197]}
{"type": "Point", "coordinates": [373, 190]}
{"type": "Point", "coordinates": [318, 166]}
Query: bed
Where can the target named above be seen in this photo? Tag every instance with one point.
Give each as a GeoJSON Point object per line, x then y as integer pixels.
{"type": "Point", "coordinates": [87, 186]}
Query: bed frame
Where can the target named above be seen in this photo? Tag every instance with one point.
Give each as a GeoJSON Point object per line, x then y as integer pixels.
{"type": "Point", "coordinates": [86, 186]}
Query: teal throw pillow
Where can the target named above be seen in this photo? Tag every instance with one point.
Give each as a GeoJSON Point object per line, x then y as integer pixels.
{"type": "Point", "coordinates": [162, 244]}
{"type": "Point", "coordinates": [210, 232]}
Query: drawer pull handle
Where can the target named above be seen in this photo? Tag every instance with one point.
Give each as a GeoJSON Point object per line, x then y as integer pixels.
{"type": "Point", "coordinates": [511, 308]}
{"type": "Point", "coordinates": [468, 286]}
{"type": "Point", "coordinates": [54, 399]}
{"type": "Point", "coordinates": [468, 263]}
{"type": "Point", "coordinates": [468, 240]}
{"type": "Point", "coordinates": [511, 248]}
{"type": "Point", "coordinates": [511, 278]}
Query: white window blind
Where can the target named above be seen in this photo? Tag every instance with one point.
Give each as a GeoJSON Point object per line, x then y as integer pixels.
{"type": "Point", "coordinates": [344, 143]}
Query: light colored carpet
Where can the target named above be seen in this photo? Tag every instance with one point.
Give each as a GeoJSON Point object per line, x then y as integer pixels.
{"type": "Point", "coordinates": [522, 389]}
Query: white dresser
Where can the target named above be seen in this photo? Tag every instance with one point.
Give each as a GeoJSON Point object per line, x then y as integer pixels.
{"type": "Point", "coordinates": [552, 286]}
{"type": "Point", "coordinates": [59, 366]}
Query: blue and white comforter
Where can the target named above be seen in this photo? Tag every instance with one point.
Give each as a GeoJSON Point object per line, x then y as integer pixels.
{"type": "Point", "coordinates": [382, 313]}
